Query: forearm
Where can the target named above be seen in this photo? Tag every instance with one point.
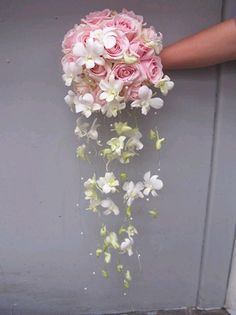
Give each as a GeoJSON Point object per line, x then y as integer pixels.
{"type": "Point", "coordinates": [214, 45]}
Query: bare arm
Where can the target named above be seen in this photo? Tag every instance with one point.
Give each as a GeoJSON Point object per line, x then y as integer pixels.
{"type": "Point", "coordinates": [211, 46]}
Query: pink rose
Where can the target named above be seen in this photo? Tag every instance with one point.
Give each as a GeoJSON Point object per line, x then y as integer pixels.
{"type": "Point", "coordinates": [68, 58]}
{"type": "Point", "coordinates": [80, 33]}
{"type": "Point", "coordinates": [69, 40]}
{"type": "Point", "coordinates": [127, 73]}
{"type": "Point", "coordinates": [83, 33]}
{"type": "Point", "coordinates": [97, 17]}
{"type": "Point", "coordinates": [128, 25]}
{"type": "Point", "coordinates": [140, 50]}
{"type": "Point", "coordinates": [98, 72]}
{"type": "Point", "coordinates": [139, 18]}
{"type": "Point", "coordinates": [153, 69]}
{"type": "Point", "coordinates": [117, 51]}
{"type": "Point", "coordinates": [131, 92]}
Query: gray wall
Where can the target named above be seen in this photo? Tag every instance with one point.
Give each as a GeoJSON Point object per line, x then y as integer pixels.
{"type": "Point", "coordinates": [44, 260]}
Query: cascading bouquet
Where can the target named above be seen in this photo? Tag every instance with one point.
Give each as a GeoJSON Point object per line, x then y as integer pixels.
{"type": "Point", "coordinates": [111, 63]}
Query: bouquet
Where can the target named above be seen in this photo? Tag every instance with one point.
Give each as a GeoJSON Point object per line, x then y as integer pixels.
{"type": "Point", "coordinates": [111, 63]}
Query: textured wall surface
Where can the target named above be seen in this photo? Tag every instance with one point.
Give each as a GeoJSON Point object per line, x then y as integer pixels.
{"type": "Point", "coordinates": [44, 260]}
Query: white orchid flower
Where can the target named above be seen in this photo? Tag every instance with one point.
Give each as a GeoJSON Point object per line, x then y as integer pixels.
{"type": "Point", "coordinates": [126, 246]}
{"type": "Point", "coordinates": [83, 130]}
{"type": "Point", "coordinates": [110, 206]}
{"type": "Point", "coordinates": [165, 85]}
{"type": "Point", "coordinates": [151, 184]}
{"type": "Point", "coordinates": [134, 142]}
{"type": "Point", "coordinates": [158, 44]}
{"type": "Point", "coordinates": [131, 231]}
{"type": "Point", "coordinates": [90, 54]}
{"type": "Point", "coordinates": [72, 70]}
{"type": "Point", "coordinates": [69, 99]}
{"type": "Point", "coordinates": [117, 144]}
{"type": "Point", "coordinates": [111, 89]}
{"type": "Point", "coordinates": [112, 108]}
{"type": "Point", "coordinates": [93, 133]}
{"type": "Point", "coordinates": [90, 188]}
{"type": "Point", "coordinates": [85, 104]}
{"type": "Point", "coordinates": [91, 194]}
{"type": "Point", "coordinates": [112, 240]}
{"type": "Point", "coordinates": [146, 101]}
{"type": "Point", "coordinates": [133, 191]}
{"type": "Point", "coordinates": [106, 36]}
{"type": "Point", "coordinates": [108, 183]}
{"type": "Point", "coordinates": [94, 204]}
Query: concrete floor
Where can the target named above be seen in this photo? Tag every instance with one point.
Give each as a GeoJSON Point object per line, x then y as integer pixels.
{"type": "Point", "coordinates": [187, 311]}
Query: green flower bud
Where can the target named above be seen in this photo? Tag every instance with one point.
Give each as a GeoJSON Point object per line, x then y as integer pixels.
{"type": "Point", "coordinates": [81, 153]}
{"type": "Point", "coordinates": [103, 230]}
{"type": "Point", "coordinates": [129, 212]}
{"type": "Point", "coordinates": [107, 257]}
{"type": "Point", "coordinates": [122, 128]}
{"type": "Point", "coordinates": [123, 176]}
{"type": "Point", "coordinates": [153, 213]}
{"type": "Point", "coordinates": [122, 230]}
{"type": "Point", "coordinates": [159, 143]}
{"type": "Point", "coordinates": [152, 135]}
{"type": "Point", "coordinates": [126, 284]}
{"type": "Point", "coordinates": [105, 274]}
{"type": "Point", "coordinates": [119, 268]}
{"type": "Point", "coordinates": [98, 252]}
{"type": "Point", "coordinates": [130, 59]}
{"type": "Point", "coordinates": [128, 275]}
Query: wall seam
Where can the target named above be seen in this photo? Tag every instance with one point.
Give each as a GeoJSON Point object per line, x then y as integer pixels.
{"type": "Point", "coordinates": [231, 265]}
{"type": "Point", "coordinates": [211, 172]}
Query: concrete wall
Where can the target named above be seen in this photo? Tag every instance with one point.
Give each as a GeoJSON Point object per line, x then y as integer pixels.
{"type": "Point", "coordinates": [44, 260]}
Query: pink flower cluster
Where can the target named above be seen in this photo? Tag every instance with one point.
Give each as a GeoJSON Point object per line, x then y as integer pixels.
{"type": "Point", "coordinates": [109, 44]}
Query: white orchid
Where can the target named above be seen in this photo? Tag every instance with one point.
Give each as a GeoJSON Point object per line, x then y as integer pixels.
{"type": "Point", "coordinates": [106, 36]}
{"type": "Point", "coordinates": [90, 188]}
{"type": "Point", "coordinates": [111, 89]}
{"type": "Point", "coordinates": [165, 85]}
{"type": "Point", "coordinates": [112, 108]}
{"type": "Point", "coordinates": [112, 240]}
{"type": "Point", "coordinates": [145, 100]}
{"type": "Point", "coordinates": [72, 70]}
{"type": "Point", "coordinates": [133, 191]}
{"type": "Point", "coordinates": [151, 184]}
{"type": "Point", "coordinates": [134, 142]}
{"type": "Point", "coordinates": [86, 104]}
{"type": "Point", "coordinates": [94, 204]}
{"type": "Point", "coordinates": [110, 206]}
{"type": "Point", "coordinates": [69, 99]}
{"type": "Point", "coordinates": [131, 231]}
{"type": "Point", "coordinates": [117, 144]}
{"type": "Point", "coordinates": [158, 44]}
{"type": "Point", "coordinates": [83, 129]}
{"type": "Point", "coordinates": [93, 133]}
{"type": "Point", "coordinates": [126, 246]}
{"type": "Point", "coordinates": [90, 54]}
{"type": "Point", "coordinates": [108, 183]}
{"type": "Point", "coordinates": [91, 194]}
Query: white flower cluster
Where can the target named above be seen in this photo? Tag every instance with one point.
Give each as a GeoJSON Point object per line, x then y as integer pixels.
{"type": "Point", "coordinates": [104, 185]}
{"type": "Point", "coordinates": [151, 184]}
{"type": "Point", "coordinates": [125, 145]}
